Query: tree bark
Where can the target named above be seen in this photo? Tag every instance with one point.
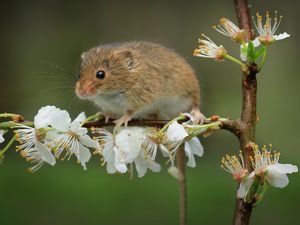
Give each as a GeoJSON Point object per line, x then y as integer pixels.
{"type": "Point", "coordinates": [247, 122]}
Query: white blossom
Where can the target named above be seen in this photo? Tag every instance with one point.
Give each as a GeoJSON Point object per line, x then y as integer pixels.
{"type": "Point", "coordinates": [143, 163]}
{"type": "Point", "coordinates": [52, 116]}
{"type": "Point", "coordinates": [46, 116]}
{"type": "Point", "coordinates": [150, 147]}
{"type": "Point", "coordinates": [177, 135]}
{"type": "Point", "coordinates": [32, 149]}
{"type": "Point", "coordinates": [176, 132]}
{"type": "Point", "coordinates": [126, 147]}
{"type": "Point", "coordinates": [107, 144]}
{"type": "Point", "coordinates": [267, 168]}
{"type": "Point", "coordinates": [74, 140]}
{"type": "Point", "coordinates": [38, 154]}
{"type": "Point", "coordinates": [53, 129]}
{"type": "Point", "coordinates": [228, 28]}
{"type": "Point", "coordinates": [193, 147]}
{"type": "Point", "coordinates": [26, 136]}
{"type": "Point", "coordinates": [267, 30]}
{"type": "Point", "coordinates": [235, 166]}
{"type": "Point", "coordinates": [208, 49]}
{"type": "Point", "coordinates": [30, 139]}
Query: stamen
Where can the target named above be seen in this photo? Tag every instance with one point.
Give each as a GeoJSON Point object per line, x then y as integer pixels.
{"type": "Point", "coordinates": [264, 157]}
{"type": "Point", "coordinates": [233, 165]}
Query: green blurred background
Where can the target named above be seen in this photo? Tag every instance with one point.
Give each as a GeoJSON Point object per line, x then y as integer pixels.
{"type": "Point", "coordinates": [41, 43]}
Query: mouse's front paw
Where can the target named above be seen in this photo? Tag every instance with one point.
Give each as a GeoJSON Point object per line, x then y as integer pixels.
{"type": "Point", "coordinates": [199, 118]}
{"type": "Point", "coordinates": [124, 119]}
{"type": "Point", "coordinates": [107, 116]}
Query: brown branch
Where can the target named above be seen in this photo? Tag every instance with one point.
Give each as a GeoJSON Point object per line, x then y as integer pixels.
{"type": "Point", "coordinates": [134, 122]}
{"type": "Point", "coordinates": [246, 125]}
{"type": "Point", "coordinates": [229, 125]}
{"type": "Point", "coordinates": [242, 12]}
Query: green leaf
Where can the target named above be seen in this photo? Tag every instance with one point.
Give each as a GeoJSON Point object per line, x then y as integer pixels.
{"type": "Point", "coordinates": [261, 193]}
{"type": "Point", "coordinates": [251, 52]}
{"type": "Point", "coordinates": [260, 52]}
{"type": "Point", "coordinates": [253, 190]}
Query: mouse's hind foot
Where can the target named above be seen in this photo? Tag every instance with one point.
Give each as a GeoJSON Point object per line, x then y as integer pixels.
{"type": "Point", "coordinates": [124, 119]}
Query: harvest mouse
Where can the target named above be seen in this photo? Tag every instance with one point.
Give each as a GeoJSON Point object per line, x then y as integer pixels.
{"type": "Point", "coordinates": [138, 79]}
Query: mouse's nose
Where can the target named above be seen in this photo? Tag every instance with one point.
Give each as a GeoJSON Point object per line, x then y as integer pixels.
{"type": "Point", "coordinates": [80, 91]}
{"type": "Point", "coordinates": [83, 90]}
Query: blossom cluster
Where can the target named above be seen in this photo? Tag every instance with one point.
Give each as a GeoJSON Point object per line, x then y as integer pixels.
{"type": "Point", "coordinates": [249, 51]}
{"type": "Point", "coordinates": [140, 145]}
{"type": "Point", "coordinates": [266, 171]}
{"type": "Point", "coordinates": [53, 135]}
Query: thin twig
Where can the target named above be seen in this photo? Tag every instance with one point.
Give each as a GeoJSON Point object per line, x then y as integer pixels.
{"type": "Point", "coordinates": [246, 125]}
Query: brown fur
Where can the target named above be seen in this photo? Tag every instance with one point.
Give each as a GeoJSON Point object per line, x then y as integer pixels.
{"type": "Point", "coordinates": [143, 71]}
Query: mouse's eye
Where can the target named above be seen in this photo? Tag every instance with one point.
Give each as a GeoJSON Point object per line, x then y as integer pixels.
{"type": "Point", "coordinates": [100, 74]}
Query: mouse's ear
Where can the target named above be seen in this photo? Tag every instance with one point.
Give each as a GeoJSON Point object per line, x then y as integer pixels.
{"type": "Point", "coordinates": [125, 56]}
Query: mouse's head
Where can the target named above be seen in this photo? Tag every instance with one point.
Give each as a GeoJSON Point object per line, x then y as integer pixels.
{"type": "Point", "coordinates": [104, 69]}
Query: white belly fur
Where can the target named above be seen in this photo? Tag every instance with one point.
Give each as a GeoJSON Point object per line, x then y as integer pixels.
{"type": "Point", "coordinates": [112, 103]}
{"type": "Point", "coordinates": [166, 108]}
{"type": "Point", "coordinates": [163, 108]}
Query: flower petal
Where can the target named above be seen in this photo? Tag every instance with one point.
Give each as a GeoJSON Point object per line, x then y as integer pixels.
{"type": "Point", "coordinates": [110, 168]}
{"type": "Point", "coordinates": [141, 167]}
{"type": "Point", "coordinates": [50, 137]}
{"type": "Point", "coordinates": [243, 57]}
{"type": "Point", "coordinates": [196, 146]}
{"type": "Point", "coordinates": [120, 166]}
{"type": "Point", "coordinates": [129, 141]}
{"type": "Point", "coordinates": [84, 155]}
{"type": "Point", "coordinates": [1, 136]}
{"type": "Point", "coordinates": [108, 152]}
{"type": "Point", "coordinates": [176, 132]}
{"type": "Point", "coordinates": [243, 51]}
{"type": "Point", "coordinates": [279, 180]}
{"type": "Point", "coordinates": [52, 116]}
{"type": "Point", "coordinates": [75, 127]}
{"type": "Point", "coordinates": [154, 166]}
{"type": "Point", "coordinates": [191, 148]}
{"type": "Point", "coordinates": [164, 150]}
{"type": "Point", "coordinates": [281, 36]}
{"type": "Point", "coordinates": [87, 141]}
{"type": "Point", "coordinates": [188, 152]}
{"type": "Point", "coordinates": [283, 168]}
{"type": "Point", "coordinates": [245, 186]}
{"type": "Point", "coordinates": [256, 42]}
{"type": "Point", "coordinates": [81, 117]}
{"type": "Point", "coordinates": [174, 171]}
{"type": "Point", "coordinates": [109, 157]}
{"type": "Point", "coordinates": [45, 154]}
